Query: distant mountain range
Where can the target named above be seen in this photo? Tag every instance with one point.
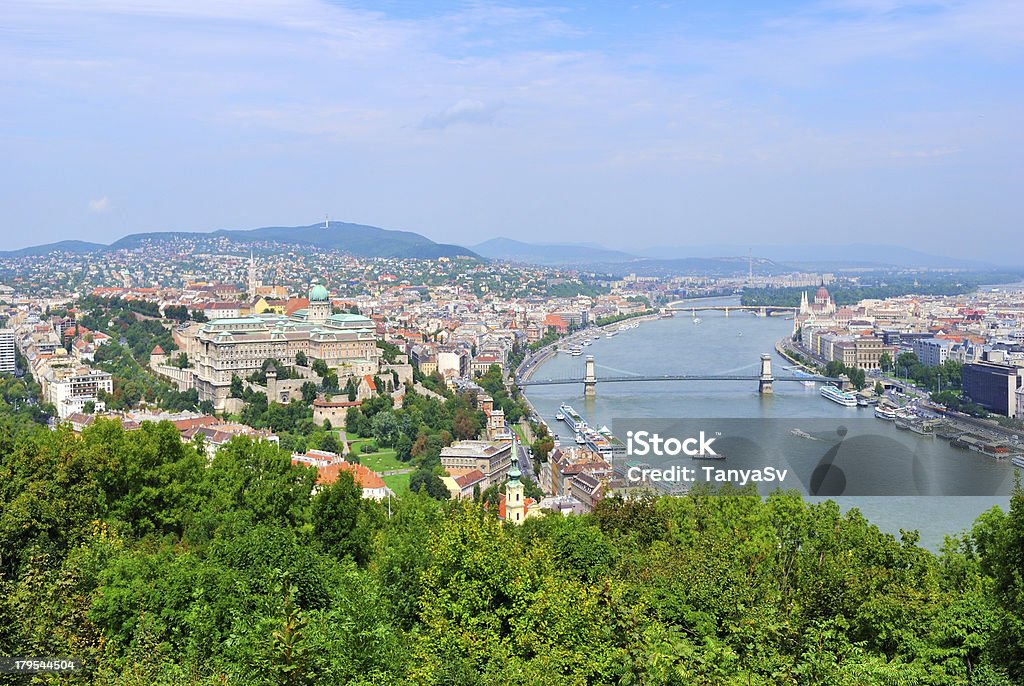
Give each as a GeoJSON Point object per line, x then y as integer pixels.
{"type": "Point", "coordinates": [357, 239]}
{"type": "Point", "coordinates": [723, 258]}
{"type": "Point", "coordinates": [838, 256]}
{"type": "Point", "coordinates": [362, 240]}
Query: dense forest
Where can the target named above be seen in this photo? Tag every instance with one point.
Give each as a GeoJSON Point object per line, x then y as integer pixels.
{"type": "Point", "coordinates": [153, 566]}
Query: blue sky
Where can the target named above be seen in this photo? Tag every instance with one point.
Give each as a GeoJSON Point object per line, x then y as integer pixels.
{"type": "Point", "coordinates": [629, 125]}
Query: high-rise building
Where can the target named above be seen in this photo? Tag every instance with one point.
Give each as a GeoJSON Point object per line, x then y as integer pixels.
{"type": "Point", "coordinates": [993, 386]}
{"type": "Point", "coordinates": [7, 354]}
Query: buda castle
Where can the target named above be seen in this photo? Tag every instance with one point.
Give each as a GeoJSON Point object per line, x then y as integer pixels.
{"type": "Point", "coordinates": [239, 346]}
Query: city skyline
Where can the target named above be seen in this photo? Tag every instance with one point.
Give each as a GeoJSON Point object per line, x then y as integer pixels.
{"type": "Point", "coordinates": [831, 123]}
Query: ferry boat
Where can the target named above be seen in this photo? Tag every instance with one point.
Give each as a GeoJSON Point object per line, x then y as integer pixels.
{"type": "Point", "coordinates": [923, 428]}
{"type": "Point", "coordinates": [572, 417]}
{"type": "Point", "coordinates": [603, 442]}
{"type": "Point", "coordinates": [840, 397]}
{"type": "Point", "coordinates": [886, 413]}
{"type": "Point", "coordinates": [708, 456]}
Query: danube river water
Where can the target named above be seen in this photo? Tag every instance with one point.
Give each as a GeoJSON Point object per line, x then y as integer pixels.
{"type": "Point", "coordinates": [733, 345]}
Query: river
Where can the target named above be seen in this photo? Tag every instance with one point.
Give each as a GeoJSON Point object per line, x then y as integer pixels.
{"type": "Point", "coordinates": [733, 345]}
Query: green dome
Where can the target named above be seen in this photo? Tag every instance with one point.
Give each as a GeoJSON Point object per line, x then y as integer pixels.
{"type": "Point", "coordinates": [318, 294]}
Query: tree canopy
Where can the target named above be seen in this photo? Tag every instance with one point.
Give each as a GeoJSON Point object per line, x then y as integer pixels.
{"type": "Point", "coordinates": [133, 552]}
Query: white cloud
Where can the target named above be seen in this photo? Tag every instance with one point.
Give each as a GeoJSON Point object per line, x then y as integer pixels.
{"type": "Point", "coordinates": [462, 112]}
{"type": "Point", "coordinates": [100, 205]}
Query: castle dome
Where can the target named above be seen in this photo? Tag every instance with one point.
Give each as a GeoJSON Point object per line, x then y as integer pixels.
{"type": "Point", "coordinates": [318, 293]}
{"type": "Point", "coordinates": [822, 294]}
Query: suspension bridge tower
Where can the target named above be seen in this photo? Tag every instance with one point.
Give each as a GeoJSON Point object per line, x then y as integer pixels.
{"type": "Point", "coordinates": [764, 382]}
{"type": "Point", "coordinates": [590, 379]}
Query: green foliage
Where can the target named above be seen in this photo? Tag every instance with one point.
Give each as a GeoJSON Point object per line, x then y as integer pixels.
{"type": "Point", "coordinates": [426, 481]}
{"type": "Point", "coordinates": [343, 522]}
{"type": "Point", "coordinates": [856, 375]}
{"type": "Point", "coordinates": [512, 405]}
{"type": "Point", "coordinates": [155, 566]}
{"type": "Point", "coordinates": [616, 318]}
{"type": "Point", "coordinates": [135, 321]}
{"type": "Point", "coordinates": [389, 351]}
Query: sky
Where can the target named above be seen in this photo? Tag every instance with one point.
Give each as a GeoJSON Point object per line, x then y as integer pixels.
{"type": "Point", "coordinates": [626, 125]}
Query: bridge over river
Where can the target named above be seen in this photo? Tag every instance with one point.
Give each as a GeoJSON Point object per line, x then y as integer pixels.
{"type": "Point", "coordinates": [764, 380]}
{"type": "Point", "coordinates": [757, 310]}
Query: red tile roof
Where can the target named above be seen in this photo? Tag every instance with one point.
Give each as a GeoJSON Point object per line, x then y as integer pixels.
{"type": "Point", "coordinates": [296, 304]}
{"type": "Point", "coordinates": [468, 479]}
{"type": "Point", "coordinates": [363, 476]}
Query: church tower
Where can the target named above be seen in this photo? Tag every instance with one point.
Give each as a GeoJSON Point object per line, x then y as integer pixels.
{"type": "Point", "coordinates": [515, 503]}
{"type": "Point", "coordinates": [254, 284]}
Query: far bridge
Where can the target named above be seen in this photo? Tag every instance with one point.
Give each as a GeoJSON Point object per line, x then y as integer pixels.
{"type": "Point", "coordinates": [764, 380]}
{"type": "Point", "coordinates": [757, 310]}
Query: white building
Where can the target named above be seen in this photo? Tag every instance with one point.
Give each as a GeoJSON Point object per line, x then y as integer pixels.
{"type": "Point", "coordinates": [932, 352]}
{"type": "Point", "coordinates": [70, 393]}
{"type": "Point", "coordinates": [7, 355]}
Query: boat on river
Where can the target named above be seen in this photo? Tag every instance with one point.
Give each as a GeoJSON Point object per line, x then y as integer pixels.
{"type": "Point", "coordinates": [839, 397]}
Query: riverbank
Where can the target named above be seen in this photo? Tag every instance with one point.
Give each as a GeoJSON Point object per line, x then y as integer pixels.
{"type": "Point", "coordinates": [782, 348]}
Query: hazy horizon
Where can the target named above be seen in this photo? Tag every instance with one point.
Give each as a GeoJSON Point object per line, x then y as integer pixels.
{"type": "Point", "coordinates": [833, 122]}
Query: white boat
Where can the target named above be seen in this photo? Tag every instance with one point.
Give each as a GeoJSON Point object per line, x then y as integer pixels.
{"type": "Point", "coordinates": [572, 417]}
{"type": "Point", "coordinates": [697, 320]}
{"type": "Point", "coordinates": [610, 334]}
{"type": "Point", "coordinates": [1018, 462]}
{"type": "Point", "coordinates": [839, 397]}
{"type": "Point", "coordinates": [579, 439]}
{"type": "Point", "coordinates": [886, 413]}
{"type": "Point", "coordinates": [559, 416]}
